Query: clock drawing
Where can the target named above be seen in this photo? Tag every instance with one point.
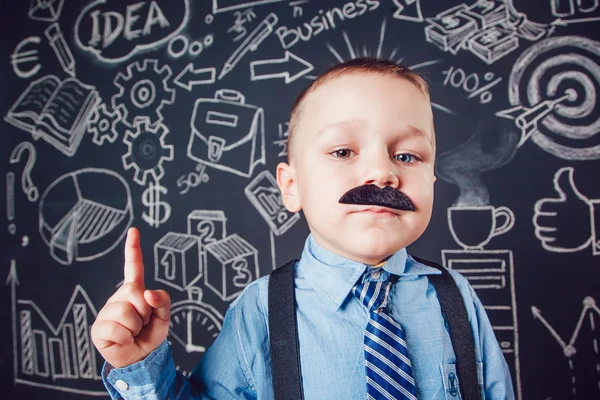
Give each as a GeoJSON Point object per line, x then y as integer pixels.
{"type": "Point", "coordinates": [194, 326]}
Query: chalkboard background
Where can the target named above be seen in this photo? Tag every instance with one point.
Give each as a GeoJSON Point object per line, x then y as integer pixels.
{"type": "Point", "coordinates": [172, 115]}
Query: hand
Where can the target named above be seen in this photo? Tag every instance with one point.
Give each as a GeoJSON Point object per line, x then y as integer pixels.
{"type": "Point", "coordinates": [563, 224]}
{"type": "Point", "coordinates": [134, 321]}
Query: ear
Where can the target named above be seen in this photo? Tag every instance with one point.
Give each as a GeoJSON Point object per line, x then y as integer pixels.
{"type": "Point", "coordinates": [286, 179]}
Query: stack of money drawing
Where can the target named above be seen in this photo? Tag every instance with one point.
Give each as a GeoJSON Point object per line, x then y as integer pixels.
{"type": "Point", "coordinates": [488, 28]}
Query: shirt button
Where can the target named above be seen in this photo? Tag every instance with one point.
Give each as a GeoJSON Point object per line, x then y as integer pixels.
{"type": "Point", "coordinates": [376, 274]}
{"type": "Point", "coordinates": [121, 385]}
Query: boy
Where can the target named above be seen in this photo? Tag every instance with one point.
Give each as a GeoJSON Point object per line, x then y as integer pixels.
{"type": "Point", "coordinates": [361, 126]}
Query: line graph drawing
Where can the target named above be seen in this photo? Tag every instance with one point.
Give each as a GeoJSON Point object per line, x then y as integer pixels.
{"type": "Point", "coordinates": [59, 357]}
{"type": "Point", "coordinates": [83, 215]}
{"type": "Point", "coordinates": [589, 313]}
{"type": "Point", "coordinates": [227, 134]}
{"type": "Point", "coordinates": [557, 109]}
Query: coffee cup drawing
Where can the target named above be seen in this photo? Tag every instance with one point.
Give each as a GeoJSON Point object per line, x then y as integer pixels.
{"type": "Point", "coordinates": [474, 226]}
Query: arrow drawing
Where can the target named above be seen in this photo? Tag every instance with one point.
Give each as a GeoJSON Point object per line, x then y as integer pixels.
{"type": "Point", "coordinates": [280, 68]}
{"type": "Point", "coordinates": [190, 76]}
{"type": "Point", "coordinates": [589, 309]}
{"type": "Point", "coordinates": [408, 10]}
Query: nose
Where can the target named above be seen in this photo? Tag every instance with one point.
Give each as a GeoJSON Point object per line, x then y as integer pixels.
{"type": "Point", "coordinates": [380, 171]}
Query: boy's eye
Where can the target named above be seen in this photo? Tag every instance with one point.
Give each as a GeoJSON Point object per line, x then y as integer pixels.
{"type": "Point", "coordinates": [342, 153]}
{"type": "Point", "coordinates": [405, 158]}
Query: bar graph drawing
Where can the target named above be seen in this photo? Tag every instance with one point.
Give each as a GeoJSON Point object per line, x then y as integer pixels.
{"type": "Point", "coordinates": [60, 357]}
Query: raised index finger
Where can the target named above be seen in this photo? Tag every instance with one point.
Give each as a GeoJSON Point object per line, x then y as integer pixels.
{"type": "Point", "coordinates": [134, 262]}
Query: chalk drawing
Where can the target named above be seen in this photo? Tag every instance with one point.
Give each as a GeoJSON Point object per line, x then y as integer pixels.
{"type": "Point", "coordinates": [147, 151]}
{"type": "Point", "coordinates": [177, 260]}
{"type": "Point", "coordinates": [491, 274]}
{"type": "Point", "coordinates": [85, 214]}
{"type": "Point", "coordinates": [565, 224]}
{"type": "Point", "coordinates": [103, 124]}
{"type": "Point", "coordinates": [26, 182]}
{"type": "Point", "coordinates": [57, 111]}
{"type": "Point", "coordinates": [589, 313]}
{"type": "Point", "coordinates": [556, 107]}
{"type": "Point", "coordinates": [231, 264]}
{"type": "Point", "coordinates": [265, 196]}
{"type": "Point", "coordinates": [290, 68]}
{"type": "Point", "coordinates": [29, 58]}
{"type": "Point", "coordinates": [251, 43]}
{"type": "Point", "coordinates": [45, 10]}
{"type": "Point", "coordinates": [190, 77]}
{"type": "Point", "coordinates": [158, 211]}
{"type": "Point", "coordinates": [408, 10]}
{"type": "Point", "coordinates": [143, 92]}
{"type": "Point", "coordinates": [194, 326]}
{"type": "Point", "coordinates": [114, 37]}
{"type": "Point", "coordinates": [59, 357]}
{"type": "Point", "coordinates": [227, 134]}
{"type": "Point", "coordinates": [61, 48]}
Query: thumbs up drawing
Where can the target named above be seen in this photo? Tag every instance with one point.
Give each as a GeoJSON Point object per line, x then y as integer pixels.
{"type": "Point", "coordinates": [564, 223]}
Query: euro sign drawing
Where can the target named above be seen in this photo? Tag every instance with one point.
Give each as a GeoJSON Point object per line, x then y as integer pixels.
{"type": "Point", "coordinates": [158, 211]}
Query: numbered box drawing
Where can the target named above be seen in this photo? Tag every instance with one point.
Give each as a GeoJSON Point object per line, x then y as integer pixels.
{"type": "Point", "coordinates": [231, 264]}
{"type": "Point", "coordinates": [177, 260]}
{"type": "Point", "coordinates": [208, 225]}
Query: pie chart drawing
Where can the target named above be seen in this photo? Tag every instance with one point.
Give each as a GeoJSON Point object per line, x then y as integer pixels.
{"type": "Point", "coordinates": [85, 214]}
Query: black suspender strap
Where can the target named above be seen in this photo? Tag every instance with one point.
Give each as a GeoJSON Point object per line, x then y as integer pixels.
{"type": "Point", "coordinates": [283, 334]}
{"type": "Point", "coordinates": [461, 335]}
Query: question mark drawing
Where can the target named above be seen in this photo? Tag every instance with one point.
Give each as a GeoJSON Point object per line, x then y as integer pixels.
{"type": "Point", "coordinates": [26, 183]}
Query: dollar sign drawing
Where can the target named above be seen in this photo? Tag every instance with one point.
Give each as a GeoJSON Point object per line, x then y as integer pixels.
{"type": "Point", "coordinates": [158, 211]}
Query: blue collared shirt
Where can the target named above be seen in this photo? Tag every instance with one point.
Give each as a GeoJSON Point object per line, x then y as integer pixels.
{"type": "Point", "coordinates": [331, 323]}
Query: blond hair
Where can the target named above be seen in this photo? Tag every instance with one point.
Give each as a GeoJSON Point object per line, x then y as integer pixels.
{"type": "Point", "coordinates": [362, 65]}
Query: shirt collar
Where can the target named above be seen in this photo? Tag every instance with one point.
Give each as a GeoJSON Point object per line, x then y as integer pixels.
{"type": "Point", "coordinates": [334, 276]}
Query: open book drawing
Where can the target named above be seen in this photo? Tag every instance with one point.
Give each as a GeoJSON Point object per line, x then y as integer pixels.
{"type": "Point", "coordinates": [57, 111]}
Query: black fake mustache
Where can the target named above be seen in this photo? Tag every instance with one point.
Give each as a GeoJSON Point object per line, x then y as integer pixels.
{"type": "Point", "coordinates": [372, 195]}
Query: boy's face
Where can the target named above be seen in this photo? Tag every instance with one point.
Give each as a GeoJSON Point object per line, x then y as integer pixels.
{"type": "Point", "coordinates": [354, 130]}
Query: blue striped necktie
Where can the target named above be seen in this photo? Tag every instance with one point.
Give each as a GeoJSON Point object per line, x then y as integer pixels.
{"type": "Point", "coordinates": [389, 372]}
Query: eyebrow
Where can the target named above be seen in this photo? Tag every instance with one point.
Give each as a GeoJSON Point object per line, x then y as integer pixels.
{"type": "Point", "coordinates": [353, 124]}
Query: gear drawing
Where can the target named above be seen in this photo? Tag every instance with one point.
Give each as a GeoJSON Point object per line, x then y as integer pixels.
{"type": "Point", "coordinates": [103, 124]}
{"type": "Point", "coordinates": [143, 92]}
{"type": "Point", "coordinates": [146, 151]}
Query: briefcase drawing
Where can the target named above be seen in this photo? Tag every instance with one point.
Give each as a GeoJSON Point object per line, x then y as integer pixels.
{"type": "Point", "coordinates": [227, 134]}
